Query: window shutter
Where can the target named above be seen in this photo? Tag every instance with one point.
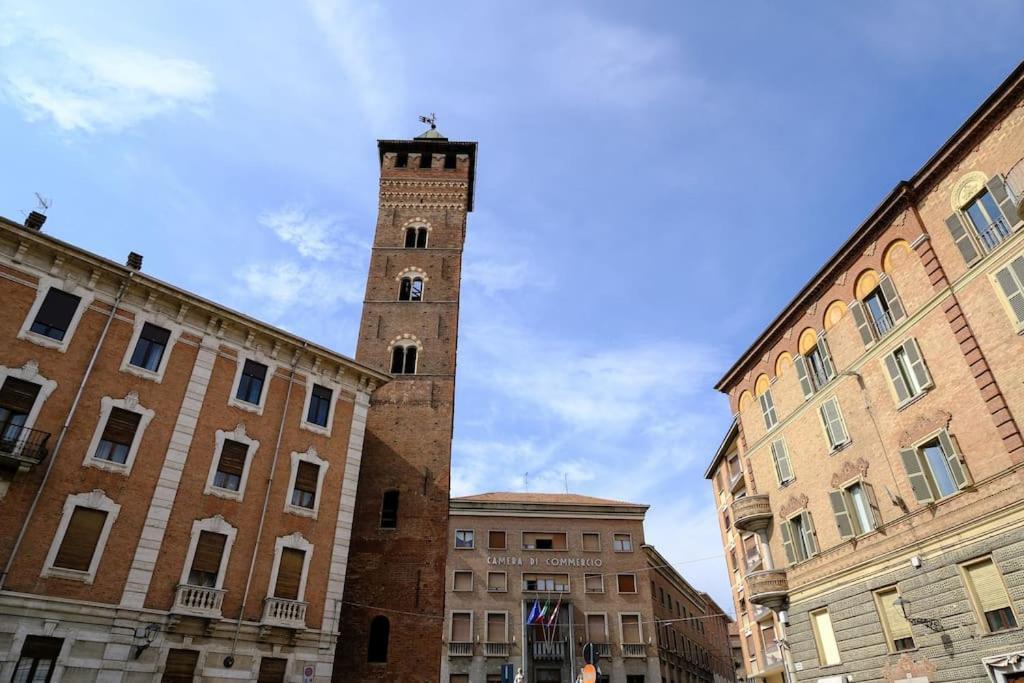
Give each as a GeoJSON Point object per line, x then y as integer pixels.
{"type": "Point", "coordinates": [892, 299]}
{"type": "Point", "coordinates": [768, 409]}
{"type": "Point", "coordinates": [232, 457]}
{"type": "Point", "coordinates": [1001, 193]}
{"type": "Point", "coordinates": [896, 377]}
{"type": "Point", "coordinates": [956, 468]}
{"type": "Point", "coordinates": [306, 476]}
{"type": "Point", "coordinates": [596, 629]}
{"type": "Point", "coordinates": [180, 665]}
{"type": "Point", "coordinates": [787, 542]}
{"type": "Point", "coordinates": [867, 332]}
{"type": "Point", "coordinates": [917, 365]}
{"type": "Point", "coordinates": [1011, 280]}
{"type": "Point", "coordinates": [810, 534]}
{"type": "Point", "coordinates": [272, 670]}
{"type": "Point", "coordinates": [800, 363]}
{"type": "Point", "coordinates": [962, 239]}
{"type": "Point", "coordinates": [496, 628]}
{"type": "Point", "coordinates": [783, 469]}
{"type": "Point", "coordinates": [876, 512]}
{"type": "Point", "coordinates": [826, 358]}
{"type": "Point", "coordinates": [209, 552]}
{"type": "Point", "coordinates": [899, 627]}
{"type": "Point", "coordinates": [80, 539]}
{"type": "Point", "coordinates": [918, 481]}
{"type": "Point", "coordinates": [289, 574]}
{"type": "Point", "coordinates": [461, 628]}
{"type": "Point", "coordinates": [842, 514]}
{"type": "Point", "coordinates": [988, 586]}
{"type": "Point", "coordinates": [496, 540]}
{"type": "Point", "coordinates": [18, 396]}
{"type": "Point", "coordinates": [121, 426]}
{"type": "Point", "coordinates": [58, 309]}
{"type": "Point", "coordinates": [834, 423]}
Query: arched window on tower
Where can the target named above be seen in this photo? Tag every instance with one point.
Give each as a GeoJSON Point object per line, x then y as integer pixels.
{"type": "Point", "coordinates": [389, 510]}
{"type": "Point", "coordinates": [403, 360]}
{"type": "Point", "coordinates": [380, 632]}
{"type": "Point", "coordinates": [415, 238]}
{"type": "Point", "coordinates": [411, 289]}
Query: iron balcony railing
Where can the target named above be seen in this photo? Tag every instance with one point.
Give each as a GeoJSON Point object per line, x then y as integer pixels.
{"type": "Point", "coordinates": [603, 650]}
{"type": "Point", "coordinates": [460, 649]}
{"type": "Point", "coordinates": [552, 649]}
{"type": "Point", "coordinates": [883, 322]}
{"type": "Point", "coordinates": [198, 601]}
{"type": "Point", "coordinates": [285, 613]}
{"type": "Point", "coordinates": [496, 649]}
{"type": "Point", "coordinates": [634, 650]}
{"type": "Point", "coordinates": [27, 446]}
{"type": "Point", "coordinates": [994, 235]}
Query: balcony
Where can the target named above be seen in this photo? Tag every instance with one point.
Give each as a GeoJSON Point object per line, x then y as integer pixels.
{"type": "Point", "coordinates": [994, 235]}
{"type": "Point", "coordinates": [459, 649]}
{"type": "Point", "coordinates": [772, 655]}
{"type": "Point", "coordinates": [634, 650]}
{"type": "Point", "coordinates": [761, 613]}
{"type": "Point", "coordinates": [603, 650]}
{"type": "Point", "coordinates": [198, 601]}
{"type": "Point", "coordinates": [284, 613]}
{"type": "Point", "coordinates": [554, 649]}
{"type": "Point", "coordinates": [496, 649]}
{"type": "Point", "coordinates": [23, 447]}
{"type": "Point", "coordinates": [752, 513]}
{"type": "Point", "coordinates": [768, 587]}
{"type": "Point", "coordinates": [753, 562]}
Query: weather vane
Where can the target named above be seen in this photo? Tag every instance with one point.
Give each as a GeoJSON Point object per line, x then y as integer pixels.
{"type": "Point", "coordinates": [432, 120]}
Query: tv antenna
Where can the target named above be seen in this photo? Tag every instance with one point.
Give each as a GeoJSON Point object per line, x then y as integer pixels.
{"type": "Point", "coordinates": [44, 203]}
{"type": "Point", "coordinates": [432, 120]}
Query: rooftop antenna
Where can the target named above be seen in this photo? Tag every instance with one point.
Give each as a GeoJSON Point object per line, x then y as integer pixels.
{"type": "Point", "coordinates": [44, 203]}
{"type": "Point", "coordinates": [565, 480]}
{"type": "Point", "coordinates": [432, 120]}
{"type": "Point", "coordinates": [526, 481]}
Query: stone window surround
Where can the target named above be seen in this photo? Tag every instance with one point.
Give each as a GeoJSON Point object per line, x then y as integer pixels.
{"type": "Point", "coordinates": [489, 547]}
{"type": "Point", "coordinates": [982, 629]}
{"type": "Point", "coordinates": [69, 285]}
{"type": "Point", "coordinates": [508, 624]}
{"type": "Point", "coordinates": [29, 372]}
{"type": "Point", "coordinates": [310, 456]}
{"type": "Point", "coordinates": [599, 541]}
{"type": "Point", "coordinates": [636, 584]}
{"type": "Point", "coordinates": [586, 590]}
{"type": "Point", "coordinates": [220, 437]}
{"type": "Point", "coordinates": [215, 524]}
{"type": "Point", "coordinates": [639, 621]}
{"type": "Point", "coordinates": [495, 590]}
{"type": "Point", "coordinates": [471, 546]}
{"type": "Point", "coordinates": [413, 272]}
{"type": "Point", "coordinates": [107, 404]}
{"type": "Point", "coordinates": [96, 500]}
{"type": "Point", "coordinates": [629, 538]}
{"type": "Point", "coordinates": [416, 222]}
{"type": "Point", "coordinates": [335, 388]}
{"type": "Point", "coordinates": [296, 541]}
{"type": "Point", "coordinates": [586, 625]}
{"type": "Point", "coordinates": [472, 580]}
{"type": "Point", "coordinates": [160, 320]}
{"type": "Point", "coordinates": [211, 655]}
{"type": "Point", "coordinates": [1000, 667]}
{"type": "Point", "coordinates": [451, 623]}
{"type": "Point", "coordinates": [258, 356]}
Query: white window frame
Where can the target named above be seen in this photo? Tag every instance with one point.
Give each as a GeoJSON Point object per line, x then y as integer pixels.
{"type": "Point", "coordinates": [296, 541]}
{"type": "Point", "coordinates": [472, 546]}
{"type": "Point", "coordinates": [29, 372]}
{"type": "Point", "coordinates": [508, 626]}
{"type": "Point", "coordinates": [220, 436]}
{"type": "Point", "coordinates": [107, 404]}
{"type": "Point", "coordinates": [313, 458]}
{"type": "Point", "coordinates": [495, 590]}
{"type": "Point", "coordinates": [629, 538]}
{"type": "Point", "coordinates": [639, 623]}
{"type": "Point", "coordinates": [159, 320]}
{"type": "Point", "coordinates": [68, 285]}
{"type": "Point", "coordinates": [335, 388]}
{"type": "Point", "coordinates": [489, 531]}
{"type": "Point", "coordinates": [451, 625]}
{"type": "Point", "coordinates": [586, 625]}
{"type": "Point", "coordinates": [636, 584]}
{"type": "Point", "coordinates": [600, 544]}
{"type": "Point", "coordinates": [217, 525]}
{"type": "Point", "coordinates": [258, 357]}
{"type": "Point", "coordinates": [96, 500]}
{"type": "Point", "coordinates": [412, 273]}
{"type": "Point", "coordinates": [833, 447]}
{"type": "Point", "coordinates": [600, 576]}
{"type": "Point", "coordinates": [405, 341]}
{"type": "Point", "coordinates": [472, 580]}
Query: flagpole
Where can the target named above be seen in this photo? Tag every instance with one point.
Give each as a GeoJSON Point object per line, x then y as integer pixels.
{"type": "Point", "coordinates": [525, 644]}
{"type": "Point", "coordinates": [572, 647]}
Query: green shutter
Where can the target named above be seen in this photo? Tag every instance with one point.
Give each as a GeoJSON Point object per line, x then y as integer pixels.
{"type": "Point", "coordinates": [962, 238]}
{"type": "Point", "coordinates": [833, 423]}
{"type": "Point", "coordinates": [842, 514]}
{"type": "Point", "coordinates": [782, 466]}
{"type": "Point", "coordinates": [810, 534]}
{"type": "Point", "coordinates": [892, 299]}
{"type": "Point", "coordinates": [768, 409]}
{"type": "Point", "coordinates": [800, 363]}
{"type": "Point", "coordinates": [876, 512]}
{"type": "Point", "coordinates": [918, 481]}
{"type": "Point", "coordinates": [956, 468]}
{"type": "Point", "coordinates": [1007, 204]}
{"type": "Point", "coordinates": [896, 377]}
{"type": "Point", "coordinates": [867, 332]}
{"type": "Point", "coordinates": [787, 542]}
{"type": "Point", "coordinates": [1011, 280]}
{"type": "Point", "coordinates": [917, 366]}
{"type": "Point", "coordinates": [826, 358]}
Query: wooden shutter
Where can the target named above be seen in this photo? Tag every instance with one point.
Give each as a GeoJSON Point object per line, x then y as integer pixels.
{"type": "Point", "coordinates": [18, 396]}
{"type": "Point", "coordinates": [826, 358]}
{"type": "Point", "coordinates": [626, 583]}
{"type": "Point", "coordinates": [892, 299]}
{"type": "Point", "coordinates": [810, 534]}
{"type": "Point", "coordinates": [180, 666]}
{"type": "Point", "coordinates": [232, 457]}
{"type": "Point", "coordinates": [834, 423]}
{"type": "Point", "coordinates": [780, 454]}
{"type": "Point", "coordinates": [209, 552]}
{"type": "Point", "coordinates": [916, 361]}
{"type": "Point", "coordinates": [842, 513]}
{"type": "Point", "coordinates": [869, 494]}
{"type": "Point", "coordinates": [800, 363]}
{"type": "Point", "coordinates": [272, 670]}
{"type": "Point", "coordinates": [1011, 280]}
{"type": "Point", "coordinates": [496, 631]}
{"type": "Point", "coordinates": [768, 409]}
{"type": "Point", "coordinates": [306, 476]}
{"type": "Point", "coordinates": [860, 318]}
{"type": "Point", "coordinates": [58, 309]}
{"type": "Point", "coordinates": [461, 628]}
{"type": "Point", "coordinates": [289, 574]}
{"type": "Point", "coordinates": [121, 426]}
{"type": "Point", "coordinates": [597, 630]}
{"type": "Point", "coordinates": [918, 480]}
{"type": "Point", "coordinates": [80, 539]}
{"type": "Point", "coordinates": [987, 586]}
{"type": "Point", "coordinates": [899, 385]}
{"type": "Point", "coordinates": [463, 581]}
{"type": "Point", "coordinates": [896, 624]}
{"type": "Point", "coordinates": [496, 540]}
{"type": "Point", "coordinates": [962, 238]}
{"type": "Point", "coordinates": [631, 628]}
{"type": "Point", "coordinates": [956, 468]}
{"type": "Point", "coordinates": [1005, 199]}
{"type": "Point", "coordinates": [787, 541]}
{"type": "Point", "coordinates": [496, 581]}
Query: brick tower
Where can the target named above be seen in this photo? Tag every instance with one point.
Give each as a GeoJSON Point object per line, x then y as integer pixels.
{"type": "Point", "coordinates": [409, 328]}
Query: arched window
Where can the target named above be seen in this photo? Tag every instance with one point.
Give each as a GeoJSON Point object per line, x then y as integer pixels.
{"type": "Point", "coordinates": [415, 238]}
{"type": "Point", "coordinates": [380, 632]}
{"type": "Point", "coordinates": [411, 289]}
{"type": "Point", "coordinates": [389, 510]}
{"type": "Point", "coordinates": [403, 360]}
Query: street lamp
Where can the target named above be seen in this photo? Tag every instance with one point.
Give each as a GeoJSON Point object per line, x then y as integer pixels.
{"type": "Point", "coordinates": [904, 605]}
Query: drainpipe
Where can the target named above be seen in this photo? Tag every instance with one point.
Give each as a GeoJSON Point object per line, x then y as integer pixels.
{"type": "Point", "coordinates": [64, 430]}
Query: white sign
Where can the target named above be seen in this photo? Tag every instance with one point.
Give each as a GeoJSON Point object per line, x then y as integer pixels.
{"type": "Point", "coordinates": [307, 674]}
{"type": "Point", "coordinates": [517, 561]}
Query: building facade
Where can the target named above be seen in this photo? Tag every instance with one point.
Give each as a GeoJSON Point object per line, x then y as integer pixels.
{"type": "Point", "coordinates": [870, 492]}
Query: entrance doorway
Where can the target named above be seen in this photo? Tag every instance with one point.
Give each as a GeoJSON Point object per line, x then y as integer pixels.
{"type": "Point", "coordinates": [549, 676]}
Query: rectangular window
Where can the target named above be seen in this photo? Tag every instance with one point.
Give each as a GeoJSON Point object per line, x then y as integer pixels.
{"type": "Point", "coordinates": [449, 160]}
{"type": "Point", "coordinates": [118, 435]}
{"type": "Point", "coordinates": [463, 538]}
{"type": "Point", "coordinates": [80, 539]}
{"type": "Point", "coordinates": [828, 648]}
{"type": "Point", "coordinates": [898, 634]}
{"type": "Point", "coordinates": [462, 627]}
{"type": "Point", "coordinates": [626, 583]}
{"type": "Point", "coordinates": [401, 159]}
{"type": "Point", "coordinates": [799, 539]}
{"type": "Point", "coordinates": [768, 409]}
{"type": "Point", "coordinates": [496, 540]}
{"type": "Point", "coordinates": [593, 583]}
{"type": "Point", "coordinates": [591, 542]}
{"type": "Point", "coordinates": [497, 628]}
{"type": "Point", "coordinates": [935, 469]}
{"type": "Point", "coordinates": [180, 666]}
{"type": "Point", "coordinates": [631, 632]}
{"type": "Point", "coordinates": [752, 551]}
{"type": "Point", "coordinates": [622, 543]}
{"type": "Point", "coordinates": [319, 405]}
{"type": "Point", "coordinates": [463, 581]}
{"type": "Point", "coordinates": [835, 429]}
{"type": "Point", "coordinates": [987, 220]}
{"type": "Point", "coordinates": [907, 371]}
{"type": "Point", "coordinates": [55, 314]}
{"type": "Point", "coordinates": [819, 364]}
{"type": "Point", "coordinates": [780, 457]}
{"type": "Point", "coordinates": [207, 559]}
{"type": "Point", "coordinates": [544, 541]}
{"type": "Point", "coordinates": [37, 659]}
{"type": "Point", "coordinates": [306, 476]}
{"type": "Point", "coordinates": [289, 573]}
{"type": "Point", "coordinates": [546, 582]}
{"type": "Point", "coordinates": [1011, 282]}
{"type": "Point", "coordinates": [17, 398]}
{"type": "Point", "coordinates": [250, 385]}
{"type": "Point", "coordinates": [856, 509]}
{"type": "Point", "coordinates": [497, 582]}
{"type": "Point", "coordinates": [426, 158]}
{"type": "Point", "coordinates": [230, 465]}
{"type": "Point", "coordinates": [988, 593]}
{"type": "Point", "coordinates": [272, 670]}
{"type": "Point", "coordinates": [150, 348]}
{"type": "Point", "coordinates": [597, 628]}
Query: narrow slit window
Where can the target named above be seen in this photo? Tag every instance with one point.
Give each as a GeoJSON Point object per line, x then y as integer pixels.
{"type": "Point", "coordinates": [389, 510]}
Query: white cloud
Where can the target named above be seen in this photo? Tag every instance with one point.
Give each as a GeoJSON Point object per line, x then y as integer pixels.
{"type": "Point", "coordinates": [315, 237]}
{"type": "Point", "coordinates": [292, 285]}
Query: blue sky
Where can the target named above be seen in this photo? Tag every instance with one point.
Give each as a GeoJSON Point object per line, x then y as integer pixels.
{"type": "Point", "coordinates": [655, 181]}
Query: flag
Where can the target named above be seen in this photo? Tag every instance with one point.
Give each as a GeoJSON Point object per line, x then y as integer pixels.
{"type": "Point", "coordinates": [534, 612]}
{"type": "Point", "coordinates": [543, 612]}
{"type": "Point", "coordinates": [554, 612]}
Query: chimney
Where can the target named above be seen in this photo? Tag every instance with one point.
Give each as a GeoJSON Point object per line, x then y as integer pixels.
{"type": "Point", "coordinates": [35, 221]}
{"type": "Point", "coordinates": [134, 261]}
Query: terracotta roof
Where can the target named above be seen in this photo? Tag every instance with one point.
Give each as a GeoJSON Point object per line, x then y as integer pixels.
{"type": "Point", "coordinates": [543, 498]}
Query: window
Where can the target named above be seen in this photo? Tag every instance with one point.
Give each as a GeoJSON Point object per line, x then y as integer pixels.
{"type": "Point", "coordinates": [879, 311]}
{"type": "Point", "coordinates": [832, 418]}
{"type": "Point", "coordinates": [1011, 281]}
{"type": "Point", "coordinates": [597, 628]}
{"type": "Point", "coordinates": [180, 666]}
{"type": "Point", "coordinates": [533, 540]}
{"type": "Point", "coordinates": [462, 581]}
{"type": "Point", "coordinates": [752, 551]}
{"type": "Point", "coordinates": [150, 348]}
{"type": "Point", "coordinates": [231, 465]}
{"type": "Point", "coordinates": [907, 371]}
{"type": "Point", "coordinates": [818, 364]}
{"type": "Point", "coordinates": [463, 538]}
{"type": "Point", "coordinates": [593, 583]}
{"type": "Point", "coordinates": [304, 491]}
{"type": "Point", "coordinates": [401, 159]}
{"type": "Point", "coordinates": [898, 634]}
{"type": "Point", "coordinates": [389, 510]}
{"type": "Point", "coordinates": [290, 568]}
{"type": "Point", "coordinates": [631, 631]}
{"type": "Point", "coordinates": [591, 542]}
{"type": "Point", "coordinates": [206, 560]}
{"type": "Point", "coordinates": [450, 160]}
{"type": "Point", "coordinates": [403, 359]}
{"type": "Point", "coordinates": [497, 627]}
{"type": "Point", "coordinates": [37, 659]}
{"type": "Point", "coordinates": [985, 221]}
{"type": "Point", "coordinates": [768, 409]}
{"type": "Point", "coordinates": [799, 539]}
{"type": "Point", "coordinates": [496, 540]}
{"type": "Point", "coordinates": [118, 435]}
{"type": "Point", "coordinates": [55, 315]}
{"type": "Point", "coordinates": [319, 405]}
{"type": "Point", "coordinates": [984, 216]}
{"type": "Point", "coordinates": [410, 289]}
{"type": "Point", "coordinates": [622, 543]}
{"type": "Point", "coordinates": [78, 547]}
{"type": "Point", "coordinates": [250, 385]}
{"type": "Point", "coordinates": [426, 159]}
{"type": "Point", "coordinates": [416, 238]}
{"type": "Point", "coordinates": [828, 648]}
{"type": "Point", "coordinates": [380, 633]}
{"type": "Point", "coordinates": [935, 469]}
{"type": "Point", "coordinates": [462, 627]}
{"type": "Point", "coordinates": [497, 582]}
{"type": "Point", "coordinates": [856, 509]}
{"type": "Point", "coordinates": [780, 457]}
{"type": "Point", "coordinates": [988, 593]}
{"type": "Point", "coordinates": [546, 582]}
{"type": "Point", "coordinates": [17, 398]}
{"type": "Point", "coordinates": [626, 583]}
{"type": "Point", "coordinates": [272, 670]}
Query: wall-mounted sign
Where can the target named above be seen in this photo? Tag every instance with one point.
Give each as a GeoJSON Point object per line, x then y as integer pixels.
{"type": "Point", "coordinates": [519, 561]}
